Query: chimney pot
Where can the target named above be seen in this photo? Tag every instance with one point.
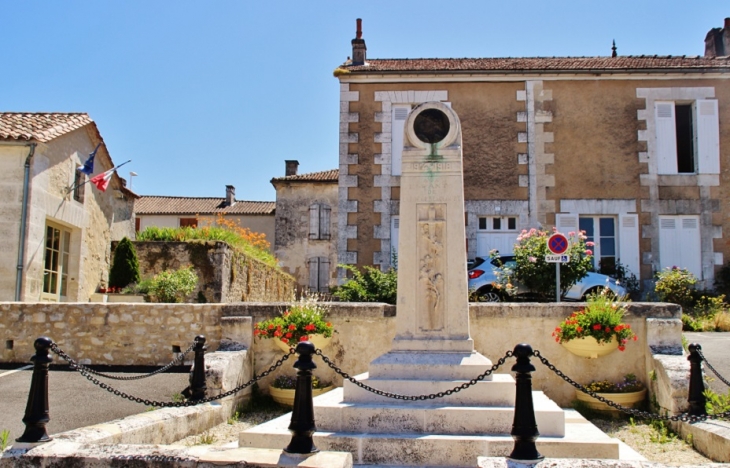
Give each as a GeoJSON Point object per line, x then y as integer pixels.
{"type": "Point", "coordinates": [291, 167]}
{"type": "Point", "coordinates": [358, 34]}
{"type": "Point", "coordinates": [359, 50]}
{"type": "Point", "coordinates": [230, 195]}
{"type": "Point", "coordinates": [727, 24]}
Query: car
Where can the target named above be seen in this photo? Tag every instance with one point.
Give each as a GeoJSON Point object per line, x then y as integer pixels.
{"type": "Point", "coordinates": [483, 276]}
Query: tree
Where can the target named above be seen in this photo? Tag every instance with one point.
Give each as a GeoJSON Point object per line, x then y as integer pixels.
{"type": "Point", "coordinates": [125, 267]}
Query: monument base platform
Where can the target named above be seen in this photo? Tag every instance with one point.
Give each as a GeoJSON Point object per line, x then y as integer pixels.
{"type": "Point", "coordinates": [430, 365]}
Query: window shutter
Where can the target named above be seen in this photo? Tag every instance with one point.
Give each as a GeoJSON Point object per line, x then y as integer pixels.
{"type": "Point", "coordinates": [629, 242]}
{"type": "Point", "coordinates": [668, 243]}
{"type": "Point", "coordinates": [324, 221]}
{"type": "Point", "coordinates": [708, 136]}
{"type": "Point", "coordinates": [314, 221]}
{"type": "Point", "coordinates": [313, 273]}
{"type": "Point", "coordinates": [666, 138]}
{"type": "Point", "coordinates": [690, 247]}
{"type": "Point", "coordinates": [323, 272]}
{"type": "Point", "coordinates": [566, 223]}
{"type": "Point", "coordinates": [394, 229]}
{"type": "Point", "coordinates": [398, 123]}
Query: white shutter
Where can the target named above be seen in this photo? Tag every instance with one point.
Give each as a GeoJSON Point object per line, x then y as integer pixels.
{"type": "Point", "coordinates": [669, 248]}
{"type": "Point", "coordinates": [313, 273]}
{"type": "Point", "coordinates": [314, 221]}
{"type": "Point", "coordinates": [566, 223]}
{"type": "Point", "coordinates": [666, 138]}
{"type": "Point", "coordinates": [690, 245]}
{"type": "Point", "coordinates": [323, 271]}
{"type": "Point", "coordinates": [708, 136]}
{"type": "Point", "coordinates": [394, 229]}
{"type": "Point", "coordinates": [629, 242]}
{"type": "Point", "coordinates": [398, 123]}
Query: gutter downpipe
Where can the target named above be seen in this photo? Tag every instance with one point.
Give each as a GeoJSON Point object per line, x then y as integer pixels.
{"type": "Point", "coordinates": [23, 220]}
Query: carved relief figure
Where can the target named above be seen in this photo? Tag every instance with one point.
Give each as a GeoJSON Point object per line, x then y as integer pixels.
{"type": "Point", "coordinates": [431, 242]}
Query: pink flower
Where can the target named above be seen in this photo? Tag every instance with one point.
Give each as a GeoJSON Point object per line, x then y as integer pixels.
{"type": "Point", "coordinates": [571, 233]}
{"type": "Point", "coordinates": [589, 252]}
{"type": "Point", "coordinates": [532, 259]}
{"type": "Point", "coordinates": [590, 244]}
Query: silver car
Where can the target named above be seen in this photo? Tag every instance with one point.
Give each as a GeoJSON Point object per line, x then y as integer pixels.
{"type": "Point", "coordinates": [483, 275]}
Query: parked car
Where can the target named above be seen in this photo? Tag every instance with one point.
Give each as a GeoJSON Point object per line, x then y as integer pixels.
{"type": "Point", "coordinates": [483, 275]}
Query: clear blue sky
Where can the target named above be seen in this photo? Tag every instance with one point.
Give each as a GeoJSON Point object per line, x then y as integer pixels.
{"type": "Point", "coordinates": [208, 93]}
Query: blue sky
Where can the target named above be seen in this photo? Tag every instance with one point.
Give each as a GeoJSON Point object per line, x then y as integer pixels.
{"type": "Point", "coordinates": [204, 94]}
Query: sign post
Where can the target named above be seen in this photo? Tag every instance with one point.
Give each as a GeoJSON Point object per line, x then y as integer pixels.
{"type": "Point", "coordinates": [558, 245]}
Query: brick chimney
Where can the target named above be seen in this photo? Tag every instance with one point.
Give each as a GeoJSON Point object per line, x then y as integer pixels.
{"type": "Point", "coordinates": [717, 41]}
{"type": "Point", "coordinates": [292, 166]}
{"type": "Point", "coordinates": [230, 195]}
{"type": "Point", "coordinates": [359, 51]}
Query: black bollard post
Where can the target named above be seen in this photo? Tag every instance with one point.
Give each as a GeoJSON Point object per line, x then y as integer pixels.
{"type": "Point", "coordinates": [696, 396]}
{"type": "Point", "coordinates": [197, 380]}
{"type": "Point", "coordinates": [36, 411]}
{"type": "Point", "coordinates": [302, 417]}
{"type": "Point", "coordinates": [524, 426]}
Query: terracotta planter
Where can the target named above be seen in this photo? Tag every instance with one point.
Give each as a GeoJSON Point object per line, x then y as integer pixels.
{"type": "Point", "coordinates": [285, 396]}
{"type": "Point", "coordinates": [319, 342]}
{"type": "Point", "coordinates": [628, 400]}
{"type": "Point", "coordinates": [589, 348]}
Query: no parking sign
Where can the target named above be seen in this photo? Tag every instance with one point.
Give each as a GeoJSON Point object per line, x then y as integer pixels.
{"type": "Point", "coordinates": [557, 243]}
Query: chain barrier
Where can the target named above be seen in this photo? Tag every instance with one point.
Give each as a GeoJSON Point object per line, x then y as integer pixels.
{"type": "Point", "coordinates": [154, 458]}
{"type": "Point", "coordinates": [709, 366]}
{"type": "Point", "coordinates": [684, 417]}
{"type": "Point", "coordinates": [431, 396]}
{"type": "Point", "coordinates": [177, 404]}
{"type": "Point", "coordinates": [76, 366]}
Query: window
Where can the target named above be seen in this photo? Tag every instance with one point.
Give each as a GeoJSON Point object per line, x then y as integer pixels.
{"type": "Point", "coordinates": [601, 230]}
{"type": "Point", "coordinates": [496, 233]}
{"type": "Point", "coordinates": [319, 221]}
{"type": "Point", "coordinates": [319, 270]}
{"type": "Point", "coordinates": [189, 222]}
{"type": "Point", "coordinates": [397, 129]}
{"type": "Point", "coordinates": [687, 137]}
{"type": "Point", "coordinates": [679, 243]}
{"type": "Point", "coordinates": [55, 263]}
{"type": "Point", "coordinates": [79, 184]}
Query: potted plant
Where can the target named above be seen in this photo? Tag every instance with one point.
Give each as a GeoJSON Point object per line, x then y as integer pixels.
{"type": "Point", "coordinates": [283, 387]}
{"type": "Point", "coordinates": [629, 392]}
{"type": "Point", "coordinates": [304, 320]}
{"type": "Point", "coordinates": [598, 329]}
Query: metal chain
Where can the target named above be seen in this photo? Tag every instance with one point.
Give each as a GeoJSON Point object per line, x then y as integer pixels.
{"type": "Point", "coordinates": [709, 366]}
{"type": "Point", "coordinates": [154, 458]}
{"type": "Point", "coordinates": [632, 411]}
{"type": "Point", "coordinates": [431, 396]}
{"type": "Point", "coordinates": [76, 365]}
{"type": "Point", "coordinates": [176, 404]}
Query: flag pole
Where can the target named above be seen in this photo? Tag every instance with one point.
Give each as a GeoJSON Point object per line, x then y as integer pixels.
{"type": "Point", "coordinates": [89, 179]}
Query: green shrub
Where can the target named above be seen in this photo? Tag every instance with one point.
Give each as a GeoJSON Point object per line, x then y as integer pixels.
{"type": "Point", "coordinates": [370, 285]}
{"type": "Point", "coordinates": [173, 286]}
{"type": "Point", "coordinates": [141, 287]}
{"type": "Point", "coordinates": [125, 267]}
{"type": "Point", "coordinates": [716, 403]}
{"type": "Point", "coordinates": [675, 285]}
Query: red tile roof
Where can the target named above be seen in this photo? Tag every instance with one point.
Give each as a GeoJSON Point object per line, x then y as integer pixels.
{"type": "Point", "coordinates": [331, 175]}
{"type": "Point", "coordinates": [161, 205]}
{"type": "Point", "coordinates": [42, 127]}
{"type": "Point", "coordinates": [546, 64]}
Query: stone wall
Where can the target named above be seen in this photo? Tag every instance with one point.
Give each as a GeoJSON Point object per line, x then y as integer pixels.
{"type": "Point", "coordinates": [224, 275]}
{"type": "Point", "coordinates": [143, 334]}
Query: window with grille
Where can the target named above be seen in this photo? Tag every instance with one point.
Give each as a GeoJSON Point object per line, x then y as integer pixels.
{"type": "Point", "coordinates": [319, 221]}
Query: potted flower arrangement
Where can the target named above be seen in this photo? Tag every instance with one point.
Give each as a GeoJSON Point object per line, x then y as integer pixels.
{"type": "Point", "coordinates": [283, 387]}
{"type": "Point", "coordinates": [598, 329]}
{"type": "Point", "coordinates": [629, 392]}
{"type": "Point", "coordinates": [304, 320]}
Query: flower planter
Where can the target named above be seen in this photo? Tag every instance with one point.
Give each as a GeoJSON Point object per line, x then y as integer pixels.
{"type": "Point", "coordinates": [588, 347]}
{"type": "Point", "coordinates": [629, 400]}
{"type": "Point", "coordinates": [285, 396]}
{"type": "Point", "coordinates": [319, 342]}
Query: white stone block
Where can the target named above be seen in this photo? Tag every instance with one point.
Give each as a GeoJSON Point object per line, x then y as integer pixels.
{"type": "Point", "coordinates": [521, 95]}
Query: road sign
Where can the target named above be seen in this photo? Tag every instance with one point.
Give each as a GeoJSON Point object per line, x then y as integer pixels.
{"type": "Point", "coordinates": [557, 258]}
{"type": "Point", "coordinates": [557, 243]}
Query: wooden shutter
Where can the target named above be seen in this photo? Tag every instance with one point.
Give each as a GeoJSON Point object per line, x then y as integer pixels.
{"type": "Point", "coordinates": [323, 270]}
{"type": "Point", "coordinates": [708, 136]}
{"type": "Point", "coordinates": [690, 245]}
{"type": "Point", "coordinates": [628, 242]}
{"type": "Point", "coordinates": [324, 221]}
{"type": "Point", "coordinates": [313, 264]}
{"type": "Point", "coordinates": [666, 138]}
{"type": "Point", "coordinates": [314, 221]}
{"type": "Point", "coordinates": [669, 247]}
{"type": "Point", "coordinates": [398, 123]}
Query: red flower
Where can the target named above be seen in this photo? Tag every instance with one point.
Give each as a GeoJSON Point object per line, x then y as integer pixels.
{"type": "Point", "coordinates": [621, 348]}
{"type": "Point", "coordinates": [278, 327]}
{"type": "Point", "coordinates": [635, 338]}
{"type": "Point", "coordinates": [579, 329]}
{"type": "Point", "coordinates": [286, 314]}
{"type": "Point", "coordinates": [304, 338]}
{"type": "Point", "coordinates": [597, 326]}
{"type": "Point", "coordinates": [608, 329]}
{"type": "Point", "coordinates": [328, 325]}
{"type": "Point", "coordinates": [277, 333]}
{"type": "Point", "coordinates": [618, 328]}
{"type": "Point", "coordinates": [292, 327]}
{"type": "Point", "coordinates": [288, 335]}
{"type": "Point", "coordinates": [310, 327]}
{"type": "Point", "coordinates": [284, 340]}
{"type": "Point", "coordinates": [271, 326]}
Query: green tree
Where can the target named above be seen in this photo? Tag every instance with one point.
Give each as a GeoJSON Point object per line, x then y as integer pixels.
{"type": "Point", "coordinates": [174, 286]}
{"type": "Point", "coordinates": [125, 267]}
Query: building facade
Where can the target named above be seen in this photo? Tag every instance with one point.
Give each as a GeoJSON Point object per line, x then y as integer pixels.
{"type": "Point", "coordinates": [57, 227]}
{"type": "Point", "coordinates": [306, 226]}
{"type": "Point", "coordinates": [633, 150]}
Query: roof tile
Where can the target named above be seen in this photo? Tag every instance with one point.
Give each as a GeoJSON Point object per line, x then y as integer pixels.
{"type": "Point", "coordinates": [42, 127]}
{"type": "Point", "coordinates": [331, 175]}
{"type": "Point", "coordinates": [160, 205]}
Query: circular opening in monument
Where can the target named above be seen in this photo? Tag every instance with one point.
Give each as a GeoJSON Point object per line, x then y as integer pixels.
{"type": "Point", "coordinates": [431, 126]}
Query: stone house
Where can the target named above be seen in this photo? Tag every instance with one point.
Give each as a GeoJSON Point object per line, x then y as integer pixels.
{"type": "Point", "coordinates": [58, 228]}
{"type": "Point", "coordinates": [630, 149]}
{"type": "Point", "coordinates": [164, 211]}
{"type": "Point", "coordinates": [306, 226]}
